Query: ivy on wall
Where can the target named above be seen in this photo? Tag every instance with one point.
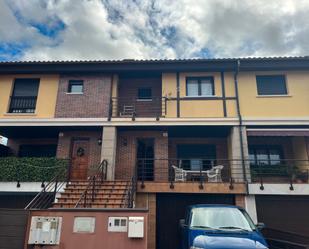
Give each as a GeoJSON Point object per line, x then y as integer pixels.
{"type": "Point", "coordinates": [31, 169]}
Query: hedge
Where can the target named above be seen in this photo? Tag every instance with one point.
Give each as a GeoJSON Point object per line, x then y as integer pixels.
{"type": "Point", "coordinates": [31, 169]}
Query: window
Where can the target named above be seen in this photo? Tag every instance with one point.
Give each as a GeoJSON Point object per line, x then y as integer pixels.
{"type": "Point", "coordinates": [144, 93]}
{"type": "Point", "coordinates": [271, 85]}
{"type": "Point", "coordinates": [200, 86]}
{"type": "Point", "coordinates": [263, 155]}
{"type": "Point", "coordinates": [24, 96]}
{"type": "Point", "coordinates": [76, 86]}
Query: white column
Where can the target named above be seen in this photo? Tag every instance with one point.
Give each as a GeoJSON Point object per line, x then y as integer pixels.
{"type": "Point", "coordinates": [250, 207]}
{"type": "Point", "coordinates": [235, 153]}
{"type": "Point", "coordinates": [109, 142]}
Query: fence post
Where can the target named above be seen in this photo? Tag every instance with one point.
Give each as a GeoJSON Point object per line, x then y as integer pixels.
{"type": "Point", "coordinates": [260, 175]}
{"type": "Point", "coordinates": [170, 174]}
{"type": "Point", "coordinates": [201, 177]}
{"type": "Point", "coordinates": [291, 177]}
{"type": "Point", "coordinates": [17, 176]}
{"type": "Point", "coordinates": [143, 173]}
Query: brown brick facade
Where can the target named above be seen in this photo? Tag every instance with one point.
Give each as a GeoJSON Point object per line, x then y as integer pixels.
{"type": "Point", "coordinates": [93, 103]}
{"type": "Point", "coordinates": [65, 145]}
{"type": "Point", "coordinates": [127, 150]}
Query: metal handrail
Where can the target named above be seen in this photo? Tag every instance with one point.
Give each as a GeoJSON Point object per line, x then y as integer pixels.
{"type": "Point", "coordinates": [100, 174]}
{"type": "Point", "coordinates": [49, 192]}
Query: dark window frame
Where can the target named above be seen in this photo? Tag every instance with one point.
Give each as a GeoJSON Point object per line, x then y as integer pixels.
{"type": "Point", "coordinates": [267, 148]}
{"type": "Point", "coordinates": [75, 82]}
{"type": "Point", "coordinates": [199, 79]}
{"type": "Point", "coordinates": [144, 98]}
{"type": "Point", "coordinates": [260, 92]}
{"type": "Point", "coordinates": [23, 104]}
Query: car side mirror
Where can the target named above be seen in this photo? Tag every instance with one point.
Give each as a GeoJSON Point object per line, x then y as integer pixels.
{"type": "Point", "coordinates": [182, 223]}
{"type": "Point", "coordinates": [260, 225]}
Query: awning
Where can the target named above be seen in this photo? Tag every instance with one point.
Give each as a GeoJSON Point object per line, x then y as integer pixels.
{"type": "Point", "coordinates": [278, 132]}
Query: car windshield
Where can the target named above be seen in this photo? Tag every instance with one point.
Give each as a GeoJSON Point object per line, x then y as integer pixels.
{"type": "Point", "coordinates": [224, 218]}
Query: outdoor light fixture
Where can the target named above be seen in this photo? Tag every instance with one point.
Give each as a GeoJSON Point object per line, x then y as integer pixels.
{"type": "Point", "coordinates": [100, 141]}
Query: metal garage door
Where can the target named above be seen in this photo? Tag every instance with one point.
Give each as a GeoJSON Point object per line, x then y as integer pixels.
{"type": "Point", "coordinates": [171, 208]}
{"type": "Point", "coordinates": [286, 213]}
{"type": "Point", "coordinates": [13, 224]}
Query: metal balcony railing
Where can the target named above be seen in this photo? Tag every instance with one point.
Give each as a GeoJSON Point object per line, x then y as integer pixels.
{"type": "Point", "coordinates": [22, 104]}
{"type": "Point", "coordinates": [134, 107]}
{"type": "Point", "coordinates": [205, 170]}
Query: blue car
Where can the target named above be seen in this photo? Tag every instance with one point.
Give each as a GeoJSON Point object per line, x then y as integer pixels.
{"type": "Point", "coordinates": [220, 227]}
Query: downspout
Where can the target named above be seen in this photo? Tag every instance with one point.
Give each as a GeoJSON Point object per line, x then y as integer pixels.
{"type": "Point", "coordinates": [240, 125]}
{"type": "Point", "coordinates": [178, 94]}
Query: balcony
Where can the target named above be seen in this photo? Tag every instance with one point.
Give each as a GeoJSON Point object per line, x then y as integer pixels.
{"type": "Point", "coordinates": [282, 171]}
{"type": "Point", "coordinates": [134, 107]}
{"type": "Point", "coordinates": [190, 175]}
{"type": "Point", "coordinates": [22, 104]}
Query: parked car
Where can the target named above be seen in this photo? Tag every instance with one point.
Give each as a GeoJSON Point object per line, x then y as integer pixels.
{"type": "Point", "coordinates": [220, 227]}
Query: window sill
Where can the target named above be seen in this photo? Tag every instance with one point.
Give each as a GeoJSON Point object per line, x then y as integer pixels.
{"type": "Point", "coordinates": [201, 97]}
{"type": "Point", "coordinates": [74, 93]}
{"type": "Point", "coordinates": [144, 100]}
{"type": "Point", "coordinates": [274, 96]}
{"type": "Point", "coordinates": [19, 114]}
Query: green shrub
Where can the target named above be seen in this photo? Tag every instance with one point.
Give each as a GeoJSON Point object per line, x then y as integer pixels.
{"type": "Point", "coordinates": [31, 169]}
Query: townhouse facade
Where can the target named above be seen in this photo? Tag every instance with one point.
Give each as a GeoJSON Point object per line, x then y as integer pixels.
{"type": "Point", "coordinates": [179, 132]}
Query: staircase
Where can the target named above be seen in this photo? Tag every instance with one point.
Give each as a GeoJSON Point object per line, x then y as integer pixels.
{"type": "Point", "coordinates": [95, 194]}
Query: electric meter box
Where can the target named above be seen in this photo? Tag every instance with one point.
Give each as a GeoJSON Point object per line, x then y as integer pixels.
{"type": "Point", "coordinates": [136, 227]}
{"type": "Point", "coordinates": [45, 230]}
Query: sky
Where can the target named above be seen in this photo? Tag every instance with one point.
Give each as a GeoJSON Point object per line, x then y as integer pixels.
{"type": "Point", "coordinates": [157, 29]}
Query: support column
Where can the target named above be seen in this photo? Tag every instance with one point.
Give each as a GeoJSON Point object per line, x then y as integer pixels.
{"type": "Point", "coordinates": [109, 141]}
{"type": "Point", "coordinates": [250, 207]}
{"type": "Point", "coordinates": [235, 153]}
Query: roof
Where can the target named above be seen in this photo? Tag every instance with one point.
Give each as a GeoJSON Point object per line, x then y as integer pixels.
{"type": "Point", "coordinates": [161, 65]}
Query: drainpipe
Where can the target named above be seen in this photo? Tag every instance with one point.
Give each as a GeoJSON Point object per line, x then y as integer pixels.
{"type": "Point", "coordinates": [240, 124]}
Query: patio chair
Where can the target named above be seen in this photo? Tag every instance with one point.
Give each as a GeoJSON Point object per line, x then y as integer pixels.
{"type": "Point", "coordinates": [128, 110]}
{"type": "Point", "coordinates": [214, 174]}
{"type": "Point", "coordinates": [180, 174]}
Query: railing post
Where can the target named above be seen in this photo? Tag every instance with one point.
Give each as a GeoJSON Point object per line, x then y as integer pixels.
{"type": "Point", "coordinates": [260, 175]}
{"type": "Point", "coordinates": [110, 110]}
{"type": "Point", "coordinates": [143, 173]}
{"type": "Point", "coordinates": [201, 177]}
{"type": "Point", "coordinates": [17, 176]}
{"type": "Point", "coordinates": [170, 175]}
{"type": "Point", "coordinates": [55, 189]}
{"type": "Point", "coordinates": [68, 171]}
{"type": "Point", "coordinates": [93, 188]}
{"type": "Point", "coordinates": [291, 176]}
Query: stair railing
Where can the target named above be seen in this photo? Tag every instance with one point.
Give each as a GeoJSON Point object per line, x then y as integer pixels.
{"type": "Point", "coordinates": [47, 196]}
{"type": "Point", "coordinates": [92, 186]}
{"type": "Point", "coordinates": [132, 190]}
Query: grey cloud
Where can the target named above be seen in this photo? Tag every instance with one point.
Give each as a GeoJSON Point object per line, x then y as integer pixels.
{"type": "Point", "coordinates": [120, 29]}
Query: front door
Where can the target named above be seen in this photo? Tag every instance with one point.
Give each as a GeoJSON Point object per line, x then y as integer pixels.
{"type": "Point", "coordinates": [145, 157]}
{"type": "Point", "coordinates": [79, 159]}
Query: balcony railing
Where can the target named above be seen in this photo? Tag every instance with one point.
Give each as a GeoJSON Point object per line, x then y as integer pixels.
{"type": "Point", "coordinates": [221, 171]}
{"type": "Point", "coordinates": [35, 169]}
{"type": "Point", "coordinates": [22, 104]}
{"type": "Point", "coordinates": [134, 107]}
{"type": "Point", "coordinates": [189, 170]}
{"type": "Point", "coordinates": [280, 171]}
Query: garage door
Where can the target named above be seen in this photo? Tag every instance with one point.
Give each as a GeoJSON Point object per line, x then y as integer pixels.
{"type": "Point", "coordinates": [286, 213]}
{"type": "Point", "coordinates": [171, 208]}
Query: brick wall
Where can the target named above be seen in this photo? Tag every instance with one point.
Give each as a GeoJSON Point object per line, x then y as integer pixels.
{"type": "Point", "coordinates": [127, 150]}
{"type": "Point", "coordinates": [128, 93]}
{"type": "Point", "coordinates": [65, 143]}
{"type": "Point", "coordinates": [93, 103]}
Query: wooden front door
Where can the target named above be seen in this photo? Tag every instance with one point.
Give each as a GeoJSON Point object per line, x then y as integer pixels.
{"type": "Point", "coordinates": [79, 159]}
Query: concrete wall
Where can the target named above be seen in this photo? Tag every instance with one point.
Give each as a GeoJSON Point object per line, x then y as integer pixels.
{"type": "Point", "coordinates": [46, 100]}
{"type": "Point", "coordinates": [101, 238]}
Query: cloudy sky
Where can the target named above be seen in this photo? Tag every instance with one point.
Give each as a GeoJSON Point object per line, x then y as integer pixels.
{"type": "Point", "coordinates": [141, 29]}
